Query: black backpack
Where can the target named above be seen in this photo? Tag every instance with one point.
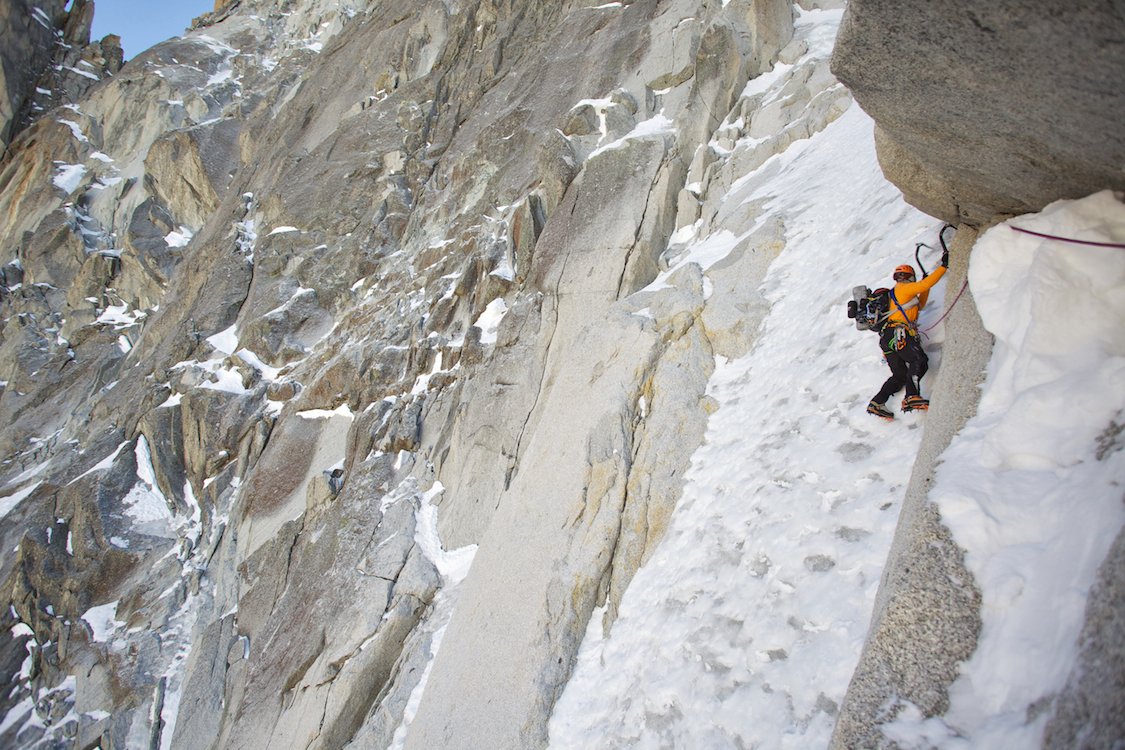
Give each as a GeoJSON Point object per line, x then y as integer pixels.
{"type": "Point", "coordinates": [869, 308]}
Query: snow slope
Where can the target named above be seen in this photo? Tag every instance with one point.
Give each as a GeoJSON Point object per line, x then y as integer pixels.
{"type": "Point", "coordinates": [745, 626]}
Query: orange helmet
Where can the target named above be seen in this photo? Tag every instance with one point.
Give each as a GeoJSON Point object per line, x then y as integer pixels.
{"type": "Point", "coordinates": [904, 273]}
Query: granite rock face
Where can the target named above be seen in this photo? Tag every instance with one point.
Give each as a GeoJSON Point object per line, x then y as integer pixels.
{"type": "Point", "coordinates": [332, 367]}
{"type": "Point", "coordinates": [298, 312]}
{"type": "Point", "coordinates": [956, 132]}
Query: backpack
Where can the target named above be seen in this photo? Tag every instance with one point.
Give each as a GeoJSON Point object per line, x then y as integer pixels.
{"type": "Point", "coordinates": [869, 308]}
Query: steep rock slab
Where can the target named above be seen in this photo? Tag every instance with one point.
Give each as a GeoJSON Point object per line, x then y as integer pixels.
{"type": "Point", "coordinates": [545, 553]}
{"type": "Point", "coordinates": [546, 558]}
{"type": "Point", "coordinates": [419, 360]}
{"type": "Point", "coordinates": [352, 574]}
{"type": "Point", "coordinates": [990, 110]}
{"type": "Point", "coordinates": [71, 331]}
{"type": "Point", "coordinates": [189, 169]}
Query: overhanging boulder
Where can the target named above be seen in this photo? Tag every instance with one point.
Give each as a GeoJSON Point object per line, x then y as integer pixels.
{"type": "Point", "coordinates": [990, 109]}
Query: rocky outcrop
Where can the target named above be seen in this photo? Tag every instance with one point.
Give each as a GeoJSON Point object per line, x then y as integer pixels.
{"type": "Point", "coordinates": [351, 272]}
{"type": "Point", "coordinates": [28, 48]}
{"type": "Point", "coordinates": [48, 59]}
{"type": "Point", "coordinates": [989, 111]}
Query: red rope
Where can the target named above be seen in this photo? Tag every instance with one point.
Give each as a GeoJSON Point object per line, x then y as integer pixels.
{"type": "Point", "coordinates": [1068, 239]}
{"type": "Point", "coordinates": [1025, 231]}
{"type": "Point", "coordinates": [950, 309]}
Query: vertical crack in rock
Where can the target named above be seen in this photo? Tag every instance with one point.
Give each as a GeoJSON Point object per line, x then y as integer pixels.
{"type": "Point", "coordinates": [548, 348]}
{"type": "Point", "coordinates": [626, 265]}
{"type": "Point", "coordinates": [289, 561]}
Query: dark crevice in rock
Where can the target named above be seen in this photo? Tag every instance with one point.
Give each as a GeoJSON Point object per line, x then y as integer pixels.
{"type": "Point", "coordinates": [980, 24]}
{"type": "Point", "coordinates": [547, 348]}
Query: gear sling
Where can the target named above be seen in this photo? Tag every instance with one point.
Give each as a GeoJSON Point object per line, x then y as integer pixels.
{"type": "Point", "coordinates": [902, 348]}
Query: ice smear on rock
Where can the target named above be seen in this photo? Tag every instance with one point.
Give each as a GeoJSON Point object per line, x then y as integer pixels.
{"type": "Point", "coordinates": [69, 177]}
{"type": "Point", "coordinates": [453, 565]}
{"type": "Point", "coordinates": [489, 320]}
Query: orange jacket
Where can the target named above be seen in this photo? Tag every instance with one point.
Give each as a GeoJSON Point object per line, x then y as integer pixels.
{"type": "Point", "coordinates": [907, 291]}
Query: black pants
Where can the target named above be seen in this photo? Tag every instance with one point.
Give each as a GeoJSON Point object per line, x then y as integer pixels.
{"type": "Point", "coordinates": [907, 364]}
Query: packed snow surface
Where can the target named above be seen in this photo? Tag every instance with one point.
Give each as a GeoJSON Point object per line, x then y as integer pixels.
{"type": "Point", "coordinates": [68, 176]}
{"type": "Point", "coordinates": [452, 564]}
{"type": "Point", "coordinates": [489, 320]}
{"type": "Point", "coordinates": [178, 237]}
{"type": "Point", "coordinates": [102, 621]}
{"type": "Point", "coordinates": [9, 502]}
{"type": "Point", "coordinates": [145, 504]}
{"type": "Point", "coordinates": [225, 341]}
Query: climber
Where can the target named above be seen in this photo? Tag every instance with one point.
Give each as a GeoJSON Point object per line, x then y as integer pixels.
{"type": "Point", "coordinates": [900, 342]}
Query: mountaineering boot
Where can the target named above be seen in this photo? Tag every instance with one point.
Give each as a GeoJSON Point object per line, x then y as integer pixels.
{"type": "Point", "coordinates": [915, 403]}
{"type": "Point", "coordinates": [880, 411]}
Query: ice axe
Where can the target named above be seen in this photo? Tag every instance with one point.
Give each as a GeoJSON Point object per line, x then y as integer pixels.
{"type": "Point", "coordinates": [944, 250]}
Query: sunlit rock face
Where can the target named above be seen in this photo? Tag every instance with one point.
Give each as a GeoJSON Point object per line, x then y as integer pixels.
{"type": "Point", "coordinates": [305, 301]}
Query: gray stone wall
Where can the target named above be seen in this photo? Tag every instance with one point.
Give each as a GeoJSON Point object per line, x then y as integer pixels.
{"type": "Point", "coordinates": [986, 109]}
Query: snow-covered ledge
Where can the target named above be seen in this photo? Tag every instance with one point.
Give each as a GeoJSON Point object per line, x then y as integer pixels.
{"type": "Point", "coordinates": [995, 597]}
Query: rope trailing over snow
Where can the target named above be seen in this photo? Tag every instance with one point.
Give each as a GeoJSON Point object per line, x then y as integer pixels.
{"type": "Point", "coordinates": [1025, 231]}
{"type": "Point", "coordinates": [1069, 239]}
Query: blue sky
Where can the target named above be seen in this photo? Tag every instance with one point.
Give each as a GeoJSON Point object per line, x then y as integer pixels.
{"type": "Point", "coordinates": [143, 23]}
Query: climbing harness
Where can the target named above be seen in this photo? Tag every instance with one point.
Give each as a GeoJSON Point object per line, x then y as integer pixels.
{"type": "Point", "coordinates": [902, 331]}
